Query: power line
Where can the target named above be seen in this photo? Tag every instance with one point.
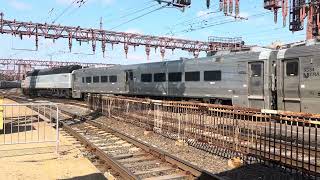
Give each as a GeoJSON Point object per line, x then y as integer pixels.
{"type": "Point", "coordinates": [134, 12]}
{"type": "Point", "coordinates": [128, 9]}
{"type": "Point", "coordinates": [64, 11]}
{"type": "Point", "coordinates": [126, 22]}
{"type": "Point", "coordinates": [205, 14]}
{"type": "Point", "coordinates": [216, 23]}
{"type": "Point", "coordinates": [80, 4]}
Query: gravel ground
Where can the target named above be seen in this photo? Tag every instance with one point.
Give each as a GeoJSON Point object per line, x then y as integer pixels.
{"type": "Point", "coordinates": [210, 162]}
{"type": "Point", "coordinates": [74, 109]}
{"type": "Point", "coordinates": [195, 156]}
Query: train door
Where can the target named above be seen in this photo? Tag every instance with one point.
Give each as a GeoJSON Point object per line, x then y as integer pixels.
{"type": "Point", "coordinates": [291, 85]}
{"type": "Point", "coordinates": [256, 84]}
{"type": "Point", "coordinates": [129, 81]}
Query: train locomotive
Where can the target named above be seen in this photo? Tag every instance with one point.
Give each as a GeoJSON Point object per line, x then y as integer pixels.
{"type": "Point", "coordinates": [286, 79]}
{"type": "Point", "coordinates": [9, 84]}
{"type": "Point", "coordinates": [56, 82]}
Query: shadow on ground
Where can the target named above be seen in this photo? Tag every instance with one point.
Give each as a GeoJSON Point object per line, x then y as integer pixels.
{"type": "Point", "coordinates": [259, 172]}
{"type": "Point", "coordinates": [95, 176]}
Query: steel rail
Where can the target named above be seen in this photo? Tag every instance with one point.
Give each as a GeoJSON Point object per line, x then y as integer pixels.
{"type": "Point", "coordinates": [186, 166]}
{"type": "Point", "coordinates": [124, 172]}
{"type": "Point", "coordinates": [181, 164]}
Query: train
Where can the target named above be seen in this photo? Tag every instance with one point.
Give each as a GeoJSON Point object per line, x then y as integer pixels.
{"type": "Point", "coordinates": [285, 79]}
{"type": "Point", "coordinates": [56, 81]}
{"type": "Point", "coordinates": [9, 84]}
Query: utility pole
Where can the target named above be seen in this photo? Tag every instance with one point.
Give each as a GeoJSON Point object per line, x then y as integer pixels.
{"type": "Point", "coordinates": [101, 23]}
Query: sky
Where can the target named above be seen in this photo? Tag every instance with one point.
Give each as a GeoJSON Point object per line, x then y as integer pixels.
{"type": "Point", "coordinates": [258, 29]}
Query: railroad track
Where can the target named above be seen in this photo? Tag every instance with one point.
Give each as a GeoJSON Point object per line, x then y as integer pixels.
{"type": "Point", "coordinates": [131, 158]}
{"type": "Point", "coordinates": [128, 157]}
{"type": "Point", "coordinates": [278, 151]}
{"type": "Point", "coordinates": [61, 101]}
{"type": "Point", "coordinates": [289, 141]}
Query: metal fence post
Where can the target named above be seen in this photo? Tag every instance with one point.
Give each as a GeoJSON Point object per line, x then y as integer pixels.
{"type": "Point", "coordinates": [57, 129]}
{"type": "Point", "coordinates": [179, 125]}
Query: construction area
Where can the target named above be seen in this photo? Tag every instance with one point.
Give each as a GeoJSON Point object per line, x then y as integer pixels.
{"type": "Point", "coordinates": [242, 104]}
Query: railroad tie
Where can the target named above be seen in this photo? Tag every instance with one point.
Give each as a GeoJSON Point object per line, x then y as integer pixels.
{"type": "Point", "coordinates": [165, 177]}
{"type": "Point", "coordinates": [154, 170]}
{"type": "Point", "coordinates": [138, 159]}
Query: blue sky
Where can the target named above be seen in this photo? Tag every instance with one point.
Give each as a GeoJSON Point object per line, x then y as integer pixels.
{"type": "Point", "coordinates": [257, 30]}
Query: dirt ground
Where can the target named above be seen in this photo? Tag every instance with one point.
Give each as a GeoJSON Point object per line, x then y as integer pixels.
{"type": "Point", "coordinates": [39, 161]}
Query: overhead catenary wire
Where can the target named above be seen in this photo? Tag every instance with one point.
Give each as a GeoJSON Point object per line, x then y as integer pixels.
{"type": "Point", "coordinates": [132, 13]}
{"type": "Point", "coordinates": [64, 11]}
{"type": "Point", "coordinates": [138, 17]}
{"type": "Point", "coordinates": [131, 9]}
{"type": "Point", "coordinates": [49, 15]}
{"type": "Point", "coordinates": [80, 4]}
{"type": "Point", "coordinates": [216, 23]}
{"type": "Point", "coordinates": [198, 17]}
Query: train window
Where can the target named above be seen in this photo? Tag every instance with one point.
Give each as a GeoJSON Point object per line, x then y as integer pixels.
{"type": "Point", "coordinates": [88, 79]}
{"type": "Point", "coordinates": [131, 76]}
{"type": "Point", "coordinates": [113, 79]}
{"type": "Point", "coordinates": [146, 77]}
{"type": "Point", "coordinates": [212, 76]}
{"type": "Point", "coordinates": [256, 70]}
{"type": "Point", "coordinates": [83, 80]}
{"type": "Point", "coordinates": [104, 79]}
{"type": "Point", "coordinates": [292, 68]}
{"type": "Point", "coordinates": [192, 76]}
{"type": "Point", "coordinates": [159, 77]}
{"type": "Point", "coordinates": [96, 79]}
{"type": "Point", "coordinates": [175, 77]}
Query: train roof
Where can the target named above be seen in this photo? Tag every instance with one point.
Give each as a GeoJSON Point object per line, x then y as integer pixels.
{"type": "Point", "coordinates": [253, 54]}
{"type": "Point", "coordinates": [54, 70]}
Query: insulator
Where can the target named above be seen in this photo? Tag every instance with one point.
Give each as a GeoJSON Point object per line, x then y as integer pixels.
{"type": "Point", "coordinates": [237, 8]}
{"type": "Point", "coordinates": [196, 54]}
{"type": "Point", "coordinates": [148, 52]}
{"type": "Point", "coordinates": [1, 22]}
{"type": "Point", "coordinates": [221, 5]}
{"type": "Point", "coordinates": [37, 38]}
{"type": "Point", "coordinates": [70, 41]}
{"type": "Point", "coordinates": [30, 31]}
{"type": "Point", "coordinates": [126, 50]}
{"type": "Point", "coordinates": [208, 4]}
{"type": "Point", "coordinates": [162, 52]}
{"type": "Point", "coordinates": [284, 11]}
{"type": "Point", "coordinates": [103, 46]}
{"type": "Point", "coordinates": [225, 7]}
{"type": "Point", "coordinates": [20, 36]}
{"type": "Point", "coordinates": [94, 46]}
{"type": "Point", "coordinates": [318, 20]}
{"type": "Point", "coordinates": [230, 6]}
{"type": "Point", "coordinates": [275, 12]}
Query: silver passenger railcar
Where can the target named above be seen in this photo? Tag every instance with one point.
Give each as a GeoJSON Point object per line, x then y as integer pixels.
{"type": "Point", "coordinates": [286, 79]}
{"type": "Point", "coordinates": [298, 79]}
{"type": "Point", "coordinates": [101, 80]}
{"type": "Point", "coordinates": [241, 79]}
